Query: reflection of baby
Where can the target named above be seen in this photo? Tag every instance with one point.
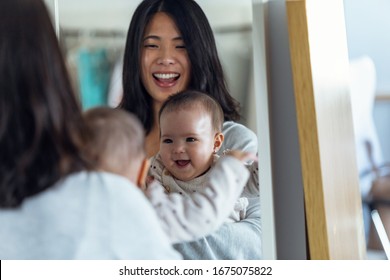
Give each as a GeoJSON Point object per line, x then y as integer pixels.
{"type": "Point", "coordinates": [113, 135]}
{"type": "Point", "coordinates": [187, 163]}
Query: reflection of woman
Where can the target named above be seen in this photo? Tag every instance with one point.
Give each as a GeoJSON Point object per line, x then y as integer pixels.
{"type": "Point", "coordinates": [50, 207]}
{"type": "Point", "coordinates": [170, 47]}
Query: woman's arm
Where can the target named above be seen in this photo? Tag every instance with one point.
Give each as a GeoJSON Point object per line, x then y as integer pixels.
{"type": "Point", "coordinates": [238, 137]}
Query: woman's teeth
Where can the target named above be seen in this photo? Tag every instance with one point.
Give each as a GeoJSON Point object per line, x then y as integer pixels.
{"type": "Point", "coordinates": [162, 76]}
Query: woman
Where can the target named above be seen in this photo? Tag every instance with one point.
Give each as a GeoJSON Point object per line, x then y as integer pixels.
{"type": "Point", "coordinates": [185, 54]}
{"type": "Point", "coordinates": [50, 206]}
{"type": "Point", "coordinates": [170, 47]}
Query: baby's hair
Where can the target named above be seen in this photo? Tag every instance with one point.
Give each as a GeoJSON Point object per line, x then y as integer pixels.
{"type": "Point", "coordinates": [116, 138]}
{"type": "Point", "coordinates": [189, 99]}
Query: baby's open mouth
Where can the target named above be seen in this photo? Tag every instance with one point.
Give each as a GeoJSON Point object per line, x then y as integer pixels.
{"type": "Point", "coordinates": [182, 162]}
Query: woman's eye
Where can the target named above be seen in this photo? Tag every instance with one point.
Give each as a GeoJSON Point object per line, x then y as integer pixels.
{"type": "Point", "coordinates": [150, 46]}
{"type": "Point", "coordinates": [180, 47]}
{"type": "Point", "coordinates": [190, 139]}
{"type": "Point", "coordinates": [167, 141]}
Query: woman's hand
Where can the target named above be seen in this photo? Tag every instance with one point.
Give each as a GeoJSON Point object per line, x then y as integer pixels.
{"type": "Point", "coordinates": [241, 155]}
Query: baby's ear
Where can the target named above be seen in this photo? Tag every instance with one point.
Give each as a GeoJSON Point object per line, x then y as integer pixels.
{"type": "Point", "coordinates": [143, 172]}
{"type": "Point", "coordinates": [218, 140]}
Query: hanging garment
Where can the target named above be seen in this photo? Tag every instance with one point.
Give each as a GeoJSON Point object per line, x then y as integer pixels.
{"type": "Point", "coordinates": [94, 76]}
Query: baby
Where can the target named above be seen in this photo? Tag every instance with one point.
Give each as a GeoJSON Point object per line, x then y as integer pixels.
{"type": "Point", "coordinates": [114, 147]}
{"type": "Point", "coordinates": [116, 143]}
{"type": "Point", "coordinates": [187, 163]}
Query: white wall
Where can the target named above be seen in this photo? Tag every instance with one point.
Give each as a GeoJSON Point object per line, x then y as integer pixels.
{"type": "Point", "coordinates": [368, 29]}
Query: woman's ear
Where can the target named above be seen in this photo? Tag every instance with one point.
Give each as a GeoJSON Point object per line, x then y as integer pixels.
{"type": "Point", "coordinates": [218, 140]}
{"type": "Point", "coordinates": [143, 172]}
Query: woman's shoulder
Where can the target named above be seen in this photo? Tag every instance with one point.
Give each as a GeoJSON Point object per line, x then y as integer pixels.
{"type": "Point", "coordinates": [94, 187]}
{"type": "Point", "coordinates": [96, 183]}
{"type": "Point", "coordinates": [238, 137]}
{"type": "Point", "coordinates": [119, 204]}
{"type": "Point", "coordinates": [94, 178]}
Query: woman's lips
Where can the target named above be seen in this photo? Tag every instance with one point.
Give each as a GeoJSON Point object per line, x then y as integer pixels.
{"type": "Point", "coordinates": [166, 79]}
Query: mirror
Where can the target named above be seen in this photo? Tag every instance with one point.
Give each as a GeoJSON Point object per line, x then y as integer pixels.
{"type": "Point", "coordinates": [93, 34]}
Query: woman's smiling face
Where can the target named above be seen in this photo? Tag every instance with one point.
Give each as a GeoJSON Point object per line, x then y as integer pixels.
{"type": "Point", "coordinates": [165, 66]}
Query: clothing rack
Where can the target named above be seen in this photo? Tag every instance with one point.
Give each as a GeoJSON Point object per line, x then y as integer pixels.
{"type": "Point", "coordinates": [111, 39]}
{"type": "Point", "coordinates": [233, 29]}
{"type": "Point", "coordinates": [118, 33]}
{"type": "Point", "coordinates": [98, 33]}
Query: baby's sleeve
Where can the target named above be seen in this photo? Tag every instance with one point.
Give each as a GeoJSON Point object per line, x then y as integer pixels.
{"type": "Point", "coordinates": [187, 218]}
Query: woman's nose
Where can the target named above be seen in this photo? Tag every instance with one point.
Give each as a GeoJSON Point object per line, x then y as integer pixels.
{"type": "Point", "coordinates": [166, 57]}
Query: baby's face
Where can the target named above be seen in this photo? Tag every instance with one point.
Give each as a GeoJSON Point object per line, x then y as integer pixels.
{"type": "Point", "coordinates": [187, 143]}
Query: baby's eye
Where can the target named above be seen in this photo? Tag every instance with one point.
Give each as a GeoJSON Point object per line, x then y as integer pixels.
{"type": "Point", "coordinates": [190, 139]}
{"type": "Point", "coordinates": [167, 141]}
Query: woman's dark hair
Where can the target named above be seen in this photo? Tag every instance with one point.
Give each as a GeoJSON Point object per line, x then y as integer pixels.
{"type": "Point", "coordinates": [206, 69]}
{"type": "Point", "coordinates": [40, 118]}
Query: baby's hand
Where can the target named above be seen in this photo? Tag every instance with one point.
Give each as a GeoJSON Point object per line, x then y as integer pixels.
{"type": "Point", "coordinates": [241, 155]}
{"type": "Point", "coordinates": [148, 181]}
